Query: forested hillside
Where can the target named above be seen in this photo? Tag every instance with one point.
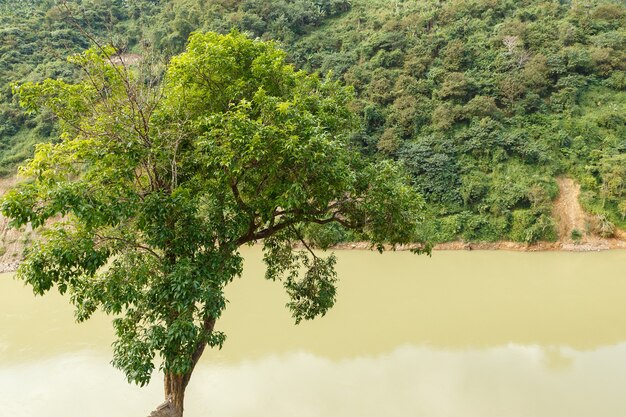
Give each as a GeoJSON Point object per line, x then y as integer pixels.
{"type": "Point", "coordinates": [485, 102]}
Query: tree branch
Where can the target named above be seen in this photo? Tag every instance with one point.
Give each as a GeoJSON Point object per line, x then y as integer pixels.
{"type": "Point", "coordinates": [301, 239]}
{"type": "Point", "coordinates": [131, 243]}
{"type": "Point", "coordinates": [207, 325]}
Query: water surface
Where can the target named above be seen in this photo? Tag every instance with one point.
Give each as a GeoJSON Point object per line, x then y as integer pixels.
{"type": "Point", "coordinates": [460, 334]}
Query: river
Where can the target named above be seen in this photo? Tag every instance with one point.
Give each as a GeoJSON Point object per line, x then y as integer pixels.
{"type": "Point", "coordinates": [460, 334]}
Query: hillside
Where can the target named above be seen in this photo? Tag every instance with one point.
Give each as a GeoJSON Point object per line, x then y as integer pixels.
{"type": "Point", "coordinates": [485, 102]}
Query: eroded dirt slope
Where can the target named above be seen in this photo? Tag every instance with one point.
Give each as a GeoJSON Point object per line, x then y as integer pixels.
{"type": "Point", "coordinates": [12, 241]}
{"type": "Point", "coordinates": [568, 213]}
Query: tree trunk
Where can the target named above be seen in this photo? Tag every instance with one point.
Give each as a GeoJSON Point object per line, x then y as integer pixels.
{"type": "Point", "coordinates": [175, 384]}
{"type": "Point", "coordinates": [175, 392]}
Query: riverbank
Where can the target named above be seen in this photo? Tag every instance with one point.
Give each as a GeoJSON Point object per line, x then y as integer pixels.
{"type": "Point", "coordinates": [588, 245]}
{"type": "Point", "coordinates": [567, 212]}
{"type": "Point", "coordinates": [8, 267]}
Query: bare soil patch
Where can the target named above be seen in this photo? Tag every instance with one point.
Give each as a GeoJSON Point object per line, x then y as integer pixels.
{"type": "Point", "coordinates": [11, 240]}
{"type": "Point", "coordinates": [567, 211]}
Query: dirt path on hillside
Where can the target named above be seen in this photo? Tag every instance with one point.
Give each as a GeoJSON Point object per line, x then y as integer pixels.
{"type": "Point", "coordinates": [567, 211]}
{"type": "Point", "coordinates": [570, 216]}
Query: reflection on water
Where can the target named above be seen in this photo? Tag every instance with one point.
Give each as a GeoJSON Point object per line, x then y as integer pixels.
{"type": "Point", "coordinates": [507, 381]}
{"type": "Point", "coordinates": [459, 334]}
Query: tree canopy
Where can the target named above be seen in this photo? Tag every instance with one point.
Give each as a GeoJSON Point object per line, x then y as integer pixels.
{"type": "Point", "coordinates": [154, 185]}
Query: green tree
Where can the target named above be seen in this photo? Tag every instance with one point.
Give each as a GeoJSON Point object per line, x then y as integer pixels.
{"type": "Point", "coordinates": [157, 187]}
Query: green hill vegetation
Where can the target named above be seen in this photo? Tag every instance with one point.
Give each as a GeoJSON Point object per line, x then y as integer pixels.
{"type": "Point", "coordinates": [486, 102]}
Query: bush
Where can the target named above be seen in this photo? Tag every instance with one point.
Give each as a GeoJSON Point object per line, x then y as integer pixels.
{"type": "Point", "coordinates": [602, 226]}
{"type": "Point", "coordinates": [529, 227]}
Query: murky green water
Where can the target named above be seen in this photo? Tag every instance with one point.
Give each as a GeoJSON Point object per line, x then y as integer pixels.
{"type": "Point", "coordinates": [460, 334]}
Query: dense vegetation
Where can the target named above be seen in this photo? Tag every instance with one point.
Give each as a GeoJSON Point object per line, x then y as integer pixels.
{"type": "Point", "coordinates": [486, 102]}
{"type": "Point", "coordinates": [35, 39]}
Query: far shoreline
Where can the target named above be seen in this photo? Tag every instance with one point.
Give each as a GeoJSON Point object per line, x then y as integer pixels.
{"type": "Point", "coordinates": [590, 245]}
{"type": "Point", "coordinates": [595, 245]}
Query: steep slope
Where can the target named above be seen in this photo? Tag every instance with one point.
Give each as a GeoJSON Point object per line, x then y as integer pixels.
{"type": "Point", "coordinates": [485, 102]}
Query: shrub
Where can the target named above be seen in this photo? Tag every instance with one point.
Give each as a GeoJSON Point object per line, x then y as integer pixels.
{"type": "Point", "coordinates": [602, 226]}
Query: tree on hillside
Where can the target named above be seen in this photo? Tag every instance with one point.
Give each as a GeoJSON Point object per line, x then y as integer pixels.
{"type": "Point", "coordinates": [154, 188]}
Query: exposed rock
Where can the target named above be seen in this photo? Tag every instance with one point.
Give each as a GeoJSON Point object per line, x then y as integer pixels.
{"type": "Point", "coordinates": [166, 409]}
